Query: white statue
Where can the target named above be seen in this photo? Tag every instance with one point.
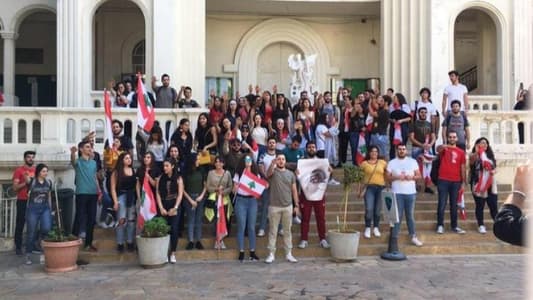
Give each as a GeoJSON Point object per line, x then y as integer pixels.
{"type": "Point", "coordinates": [303, 76]}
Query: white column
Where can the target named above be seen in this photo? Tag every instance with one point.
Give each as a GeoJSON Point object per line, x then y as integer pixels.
{"type": "Point", "coordinates": [405, 46]}
{"type": "Point", "coordinates": [9, 67]}
{"type": "Point", "coordinates": [67, 77]}
{"type": "Point", "coordinates": [523, 45]}
{"type": "Point", "coordinates": [179, 43]}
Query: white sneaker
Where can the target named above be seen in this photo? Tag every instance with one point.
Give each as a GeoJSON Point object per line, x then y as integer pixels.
{"type": "Point", "coordinates": [270, 259]}
{"type": "Point", "coordinates": [416, 241]}
{"type": "Point", "coordinates": [280, 232]}
{"type": "Point", "coordinates": [367, 232]}
{"type": "Point", "coordinates": [333, 182]}
{"type": "Point", "coordinates": [482, 229]}
{"type": "Point", "coordinates": [172, 259]}
{"type": "Point", "coordinates": [291, 258]}
{"type": "Point", "coordinates": [376, 232]}
{"type": "Point", "coordinates": [440, 229]}
{"type": "Point", "coordinates": [296, 220]}
{"type": "Point", "coordinates": [222, 245]}
{"type": "Point", "coordinates": [303, 244]}
{"type": "Point", "coordinates": [261, 232]}
{"type": "Point", "coordinates": [324, 244]}
{"type": "Point", "coordinates": [458, 230]}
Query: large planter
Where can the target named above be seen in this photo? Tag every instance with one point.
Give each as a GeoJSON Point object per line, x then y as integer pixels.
{"type": "Point", "coordinates": [153, 252]}
{"type": "Point", "coordinates": [61, 256]}
{"type": "Point", "coordinates": [343, 245]}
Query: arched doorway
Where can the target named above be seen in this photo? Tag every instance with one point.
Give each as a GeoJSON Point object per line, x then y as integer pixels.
{"type": "Point", "coordinates": [36, 60]}
{"type": "Point", "coordinates": [272, 66]}
{"type": "Point", "coordinates": [118, 41]}
{"type": "Point", "coordinates": [477, 52]}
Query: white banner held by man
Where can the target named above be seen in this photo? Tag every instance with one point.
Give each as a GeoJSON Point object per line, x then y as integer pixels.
{"type": "Point", "coordinates": [313, 177]}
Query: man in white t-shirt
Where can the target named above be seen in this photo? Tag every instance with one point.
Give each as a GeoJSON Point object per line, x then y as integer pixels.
{"type": "Point", "coordinates": [264, 162]}
{"type": "Point", "coordinates": [454, 91]}
{"type": "Point", "coordinates": [403, 172]}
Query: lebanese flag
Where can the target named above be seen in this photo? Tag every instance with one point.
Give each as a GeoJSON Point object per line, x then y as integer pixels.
{"type": "Point", "coordinates": [461, 204]}
{"type": "Point", "coordinates": [145, 110]}
{"type": "Point", "coordinates": [425, 161]}
{"type": "Point", "coordinates": [361, 149]}
{"type": "Point", "coordinates": [397, 139]}
{"type": "Point", "coordinates": [369, 122]}
{"type": "Point", "coordinates": [148, 209]}
{"type": "Point", "coordinates": [108, 117]}
{"type": "Point", "coordinates": [485, 177]}
{"type": "Point", "coordinates": [222, 229]}
{"type": "Point", "coordinates": [252, 184]}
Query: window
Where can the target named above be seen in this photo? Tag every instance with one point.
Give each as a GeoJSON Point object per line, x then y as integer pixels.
{"type": "Point", "coordinates": [36, 132]}
{"type": "Point", "coordinates": [71, 129]}
{"type": "Point", "coordinates": [138, 57]}
{"type": "Point", "coordinates": [22, 132]}
{"type": "Point", "coordinates": [85, 127]}
{"type": "Point", "coordinates": [219, 85]}
{"type": "Point", "coordinates": [99, 129]}
{"type": "Point", "coordinates": [8, 131]}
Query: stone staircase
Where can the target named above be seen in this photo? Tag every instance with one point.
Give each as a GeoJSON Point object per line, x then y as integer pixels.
{"type": "Point", "coordinates": [425, 216]}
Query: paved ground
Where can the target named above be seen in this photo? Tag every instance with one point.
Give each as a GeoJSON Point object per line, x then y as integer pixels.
{"type": "Point", "coordinates": [420, 277]}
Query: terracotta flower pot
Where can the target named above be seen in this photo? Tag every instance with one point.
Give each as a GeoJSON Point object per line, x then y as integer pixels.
{"type": "Point", "coordinates": [61, 256]}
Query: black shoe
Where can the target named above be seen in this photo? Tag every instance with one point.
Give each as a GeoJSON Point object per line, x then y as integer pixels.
{"type": "Point", "coordinates": [199, 246]}
{"type": "Point", "coordinates": [190, 246]}
{"type": "Point", "coordinates": [429, 191]}
{"type": "Point", "coordinates": [241, 256]}
{"type": "Point", "coordinates": [120, 248]}
{"type": "Point", "coordinates": [131, 247]}
{"type": "Point", "coordinates": [19, 252]}
{"type": "Point", "coordinates": [253, 257]}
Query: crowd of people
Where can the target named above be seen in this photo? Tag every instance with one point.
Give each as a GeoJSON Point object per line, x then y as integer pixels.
{"type": "Point", "coordinates": [261, 133]}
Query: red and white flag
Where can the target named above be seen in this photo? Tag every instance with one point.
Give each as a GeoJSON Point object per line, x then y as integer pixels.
{"type": "Point", "coordinates": [252, 184]}
{"type": "Point", "coordinates": [369, 122]}
{"type": "Point", "coordinates": [361, 149]}
{"type": "Point", "coordinates": [147, 209]}
{"type": "Point", "coordinates": [397, 139]}
{"type": "Point", "coordinates": [461, 204]}
{"type": "Point", "coordinates": [145, 110]}
{"type": "Point", "coordinates": [222, 229]}
{"type": "Point", "coordinates": [484, 176]}
{"type": "Point", "coordinates": [108, 117]}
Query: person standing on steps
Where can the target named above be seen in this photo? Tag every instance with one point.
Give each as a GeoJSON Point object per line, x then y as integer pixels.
{"type": "Point", "coordinates": [21, 178]}
{"type": "Point", "coordinates": [375, 170]}
{"type": "Point", "coordinates": [282, 184]}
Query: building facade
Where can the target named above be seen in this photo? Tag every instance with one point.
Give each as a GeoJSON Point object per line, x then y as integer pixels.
{"type": "Point", "coordinates": [57, 56]}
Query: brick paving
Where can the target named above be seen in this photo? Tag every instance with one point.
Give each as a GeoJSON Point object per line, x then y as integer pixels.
{"type": "Point", "coordinates": [419, 277]}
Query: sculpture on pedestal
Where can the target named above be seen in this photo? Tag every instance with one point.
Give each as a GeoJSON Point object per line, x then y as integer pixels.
{"type": "Point", "coordinates": [303, 78]}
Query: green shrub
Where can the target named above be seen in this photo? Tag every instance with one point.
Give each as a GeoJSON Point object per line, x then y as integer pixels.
{"type": "Point", "coordinates": [156, 227]}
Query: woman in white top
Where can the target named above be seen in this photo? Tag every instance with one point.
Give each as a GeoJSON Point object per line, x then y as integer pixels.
{"type": "Point", "coordinates": [259, 133]}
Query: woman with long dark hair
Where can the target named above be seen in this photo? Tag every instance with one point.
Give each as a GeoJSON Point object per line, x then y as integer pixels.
{"type": "Point", "coordinates": [245, 208]}
{"type": "Point", "coordinates": [219, 184]}
{"type": "Point", "coordinates": [400, 118]}
{"type": "Point", "coordinates": [281, 110]}
{"type": "Point", "coordinates": [374, 170]}
{"type": "Point", "coordinates": [482, 170]}
{"type": "Point", "coordinates": [123, 183]}
{"type": "Point", "coordinates": [259, 133]}
{"type": "Point", "coordinates": [155, 143]}
{"type": "Point", "coordinates": [182, 137]}
{"type": "Point", "coordinates": [148, 168]}
{"type": "Point", "coordinates": [195, 192]}
{"type": "Point", "coordinates": [205, 135]}
{"type": "Point", "coordinates": [169, 195]}
{"type": "Point", "coordinates": [216, 112]}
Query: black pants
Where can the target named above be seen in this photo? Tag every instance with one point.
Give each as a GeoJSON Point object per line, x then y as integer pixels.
{"type": "Point", "coordinates": [344, 139]}
{"type": "Point", "coordinates": [172, 221]}
{"type": "Point", "coordinates": [85, 215]}
{"type": "Point", "coordinates": [20, 222]}
{"type": "Point", "coordinates": [492, 203]}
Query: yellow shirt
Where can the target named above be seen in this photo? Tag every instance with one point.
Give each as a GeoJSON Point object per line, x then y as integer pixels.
{"type": "Point", "coordinates": [378, 176]}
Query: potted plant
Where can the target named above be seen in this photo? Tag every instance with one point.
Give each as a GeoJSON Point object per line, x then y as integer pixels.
{"type": "Point", "coordinates": [344, 241]}
{"type": "Point", "coordinates": [60, 250]}
{"type": "Point", "coordinates": [153, 242]}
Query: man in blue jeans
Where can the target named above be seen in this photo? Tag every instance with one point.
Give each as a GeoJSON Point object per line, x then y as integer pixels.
{"type": "Point", "coordinates": [86, 191]}
{"type": "Point", "coordinates": [402, 172]}
{"type": "Point", "coordinates": [452, 176]}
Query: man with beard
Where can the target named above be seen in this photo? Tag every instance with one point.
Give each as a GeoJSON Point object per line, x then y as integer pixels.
{"type": "Point", "coordinates": [264, 162]}
{"type": "Point", "coordinates": [422, 138]}
{"type": "Point", "coordinates": [452, 177]}
{"type": "Point", "coordinates": [317, 205]}
{"type": "Point", "coordinates": [282, 183]}
{"type": "Point", "coordinates": [402, 173]}
{"type": "Point", "coordinates": [125, 141]}
{"type": "Point", "coordinates": [21, 178]}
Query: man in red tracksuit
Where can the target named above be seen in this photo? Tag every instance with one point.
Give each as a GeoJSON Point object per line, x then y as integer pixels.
{"type": "Point", "coordinates": [306, 206]}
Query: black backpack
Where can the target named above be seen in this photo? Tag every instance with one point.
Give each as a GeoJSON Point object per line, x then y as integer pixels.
{"type": "Point", "coordinates": [434, 174]}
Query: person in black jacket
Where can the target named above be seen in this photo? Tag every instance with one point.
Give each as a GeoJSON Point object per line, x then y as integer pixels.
{"type": "Point", "coordinates": [510, 224]}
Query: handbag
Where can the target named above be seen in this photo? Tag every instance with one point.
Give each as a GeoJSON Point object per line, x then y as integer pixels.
{"type": "Point", "coordinates": [204, 158]}
{"type": "Point", "coordinates": [362, 191]}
